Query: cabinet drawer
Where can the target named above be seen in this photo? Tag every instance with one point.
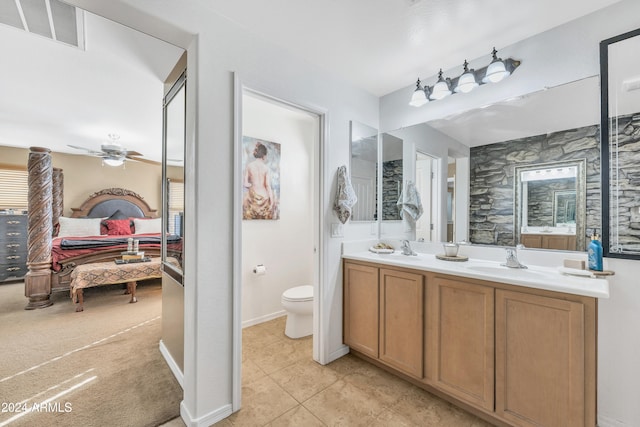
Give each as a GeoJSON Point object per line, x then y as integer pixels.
{"type": "Point", "coordinates": [11, 258]}
{"type": "Point", "coordinates": [12, 247]}
{"type": "Point", "coordinates": [12, 223]}
{"type": "Point", "coordinates": [13, 271]}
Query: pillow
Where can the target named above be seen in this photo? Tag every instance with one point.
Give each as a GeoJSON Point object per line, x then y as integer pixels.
{"type": "Point", "coordinates": [116, 215]}
{"type": "Point", "coordinates": [117, 227]}
{"type": "Point", "coordinates": [143, 226]}
{"type": "Point", "coordinates": [72, 227]}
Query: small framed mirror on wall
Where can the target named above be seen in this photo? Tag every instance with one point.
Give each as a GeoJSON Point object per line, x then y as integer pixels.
{"type": "Point", "coordinates": [620, 136]}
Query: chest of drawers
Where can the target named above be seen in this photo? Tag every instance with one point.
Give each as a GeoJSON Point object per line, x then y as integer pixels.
{"type": "Point", "coordinates": [13, 247]}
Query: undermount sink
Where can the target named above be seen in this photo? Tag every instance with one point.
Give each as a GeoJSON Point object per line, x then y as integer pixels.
{"type": "Point", "coordinates": [504, 271]}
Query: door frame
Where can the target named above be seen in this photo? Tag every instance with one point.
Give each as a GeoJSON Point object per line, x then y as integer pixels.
{"type": "Point", "coordinates": [320, 321]}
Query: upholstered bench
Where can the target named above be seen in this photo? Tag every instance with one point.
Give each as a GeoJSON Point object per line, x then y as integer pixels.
{"type": "Point", "coordinates": [110, 273]}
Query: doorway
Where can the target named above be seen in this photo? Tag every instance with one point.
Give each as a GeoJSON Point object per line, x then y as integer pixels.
{"type": "Point", "coordinates": [277, 242]}
{"type": "Point", "coordinates": [426, 168]}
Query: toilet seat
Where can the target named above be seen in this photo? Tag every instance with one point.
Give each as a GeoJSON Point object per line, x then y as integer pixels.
{"type": "Point", "coordinates": [298, 294]}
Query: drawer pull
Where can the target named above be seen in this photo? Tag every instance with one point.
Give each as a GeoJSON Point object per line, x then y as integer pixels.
{"type": "Point", "coordinates": [14, 257]}
{"type": "Point", "coordinates": [13, 268]}
{"type": "Point", "coordinates": [13, 245]}
{"type": "Point", "coordinates": [14, 234]}
{"type": "Point", "coordinates": [13, 222]}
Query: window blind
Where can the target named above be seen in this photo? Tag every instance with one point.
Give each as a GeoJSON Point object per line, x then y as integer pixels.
{"type": "Point", "coordinates": [176, 207]}
{"type": "Point", "coordinates": [14, 188]}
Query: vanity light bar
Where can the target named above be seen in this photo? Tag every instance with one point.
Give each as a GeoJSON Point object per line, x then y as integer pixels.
{"type": "Point", "coordinates": [495, 72]}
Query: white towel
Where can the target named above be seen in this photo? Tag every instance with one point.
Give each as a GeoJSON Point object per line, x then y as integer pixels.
{"type": "Point", "coordinates": [409, 202]}
{"type": "Point", "coordinates": [345, 195]}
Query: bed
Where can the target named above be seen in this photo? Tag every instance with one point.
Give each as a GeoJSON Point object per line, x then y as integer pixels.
{"type": "Point", "coordinates": [77, 241]}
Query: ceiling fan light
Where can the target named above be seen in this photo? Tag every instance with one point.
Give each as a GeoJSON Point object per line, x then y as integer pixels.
{"type": "Point", "coordinates": [419, 97]}
{"type": "Point", "coordinates": [113, 161]}
{"type": "Point", "coordinates": [440, 89]}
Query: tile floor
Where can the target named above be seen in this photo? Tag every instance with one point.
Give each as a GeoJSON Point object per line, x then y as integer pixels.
{"type": "Point", "coordinates": [283, 386]}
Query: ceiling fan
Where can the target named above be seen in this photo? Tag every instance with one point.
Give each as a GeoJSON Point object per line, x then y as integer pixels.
{"type": "Point", "coordinates": [114, 154]}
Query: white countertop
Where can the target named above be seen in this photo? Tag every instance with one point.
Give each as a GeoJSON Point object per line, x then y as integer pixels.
{"type": "Point", "coordinates": [537, 277]}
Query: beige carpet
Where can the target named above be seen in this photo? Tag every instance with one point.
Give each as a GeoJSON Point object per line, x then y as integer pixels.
{"type": "Point", "coordinates": [100, 367]}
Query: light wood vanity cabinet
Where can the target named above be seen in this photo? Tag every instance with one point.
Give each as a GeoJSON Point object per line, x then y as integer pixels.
{"type": "Point", "coordinates": [460, 346]}
{"type": "Point", "coordinates": [402, 320]}
{"type": "Point", "coordinates": [545, 360]}
{"type": "Point", "coordinates": [513, 355]}
{"type": "Point", "coordinates": [562, 242]}
{"type": "Point", "coordinates": [361, 295]}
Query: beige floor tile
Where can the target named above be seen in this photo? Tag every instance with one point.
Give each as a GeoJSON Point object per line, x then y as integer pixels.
{"type": "Point", "coordinates": [278, 355]}
{"type": "Point", "coordinates": [262, 401]}
{"type": "Point", "coordinates": [389, 418]}
{"type": "Point", "coordinates": [251, 372]}
{"type": "Point", "coordinates": [275, 326]}
{"type": "Point", "coordinates": [343, 404]}
{"type": "Point", "coordinates": [304, 379]}
{"type": "Point", "coordinates": [297, 417]}
{"type": "Point", "coordinates": [425, 409]}
{"type": "Point", "coordinates": [255, 338]}
{"type": "Point", "coordinates": [376, 382]}
{"type": "Point", "coordinates": [346, 365]}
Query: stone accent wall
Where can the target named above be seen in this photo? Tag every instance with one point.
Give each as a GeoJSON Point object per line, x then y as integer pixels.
{"type": "Point", "coordinates": [491, 192]}
{"type": "Point", "coordinates": [391, 187]}
{"type": "Point", "coordinates": [624, 193]}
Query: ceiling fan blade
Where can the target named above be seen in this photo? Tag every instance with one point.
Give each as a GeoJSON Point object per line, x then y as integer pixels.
{"type": "Point", "coordinates": [88, 150]}
{"type": "Point", "coordinates": [139, 159]}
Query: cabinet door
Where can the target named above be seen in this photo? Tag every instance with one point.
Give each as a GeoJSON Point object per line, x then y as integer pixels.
{"type": "Point", "coordinates": [557, 242]}
{"type": "Point", "coordinates": [540, 360]}
{"type": "Point", "coordinates": [402, 320]}
{"type": "Point", "coordinates": [361, 308]}
{"type": "Point", "coordinates": [531, 240]}
{"type": "Point", "coordinates": [460, 348]}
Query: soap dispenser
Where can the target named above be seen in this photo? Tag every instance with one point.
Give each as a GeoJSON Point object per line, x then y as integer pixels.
{"type": "Point", "coordinates": [594, 253]}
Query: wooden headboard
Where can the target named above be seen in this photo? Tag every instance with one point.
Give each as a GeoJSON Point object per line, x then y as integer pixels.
{"type": "Point", "coordinates": [105, 202]}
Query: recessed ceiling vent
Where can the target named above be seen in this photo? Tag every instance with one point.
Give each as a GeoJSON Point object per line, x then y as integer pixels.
{"type": "Point", "coordinates": [49, 18]}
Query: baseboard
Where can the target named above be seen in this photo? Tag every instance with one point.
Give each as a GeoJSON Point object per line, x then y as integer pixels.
{"type": "Point", "coordinates": [604, 421]}
{"type": "Point", "coordinates": [175, 369]}
{"type": "Point", "coordinates": [335, 355]}
{"type": "Point", "coordinates": [206, 420]}
{"type": "Point", "coordinates": [262, 319]}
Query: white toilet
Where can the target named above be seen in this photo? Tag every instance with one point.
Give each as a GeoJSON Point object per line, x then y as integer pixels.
{"type": "Point", "coordinates": [298, 302]}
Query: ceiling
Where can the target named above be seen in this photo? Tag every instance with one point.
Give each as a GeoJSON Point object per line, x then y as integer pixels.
{"type": "Point", "coordinates": [384, 45]}
{"type": "Point", "coordinates": [55, 94]}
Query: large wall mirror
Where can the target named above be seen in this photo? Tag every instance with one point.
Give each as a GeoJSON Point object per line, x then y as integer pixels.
{"type": "Point", "coordinates": [364, 170]}
{"type": "Point", "coordinates": [621, 145]}
{"type": "Point", "coordinates": [552, 129]}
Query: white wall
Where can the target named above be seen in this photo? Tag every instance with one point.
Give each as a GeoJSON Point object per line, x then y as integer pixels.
{"type": "Point", "coordinates": [284, 246]}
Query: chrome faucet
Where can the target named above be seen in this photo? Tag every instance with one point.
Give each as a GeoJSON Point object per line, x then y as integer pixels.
{"type": "Point", "coordinates": [406, 249]}
{"type": "Point", "coordinates": [512, 258]}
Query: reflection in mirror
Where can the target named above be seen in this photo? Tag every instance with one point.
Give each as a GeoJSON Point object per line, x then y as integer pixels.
{"type": "Point", "coordinates": [364, 159]}
{"type": "Point", "coordinates": [392, 173]}
{"type": "Point", "coordinates": [173, 172]}
{"type": "Point", "coordinates": [621, 145]}
{"type": "Point", "coordinates": [547, 198]}
{"type": "Point", "coordinates": [557, 124]}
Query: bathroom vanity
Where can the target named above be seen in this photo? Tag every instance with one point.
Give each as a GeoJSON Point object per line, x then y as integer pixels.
{"type": "Point", "coordinates": [515, 347]}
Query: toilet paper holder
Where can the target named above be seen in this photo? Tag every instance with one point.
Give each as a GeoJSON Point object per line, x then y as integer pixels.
{"type": "Point", "coordinates": [259, 269]}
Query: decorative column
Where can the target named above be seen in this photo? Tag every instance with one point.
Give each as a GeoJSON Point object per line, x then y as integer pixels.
{"type": "Point", "coordinates": [58, 195]}
{"type": "Point", "coordinates": [37, 282]}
